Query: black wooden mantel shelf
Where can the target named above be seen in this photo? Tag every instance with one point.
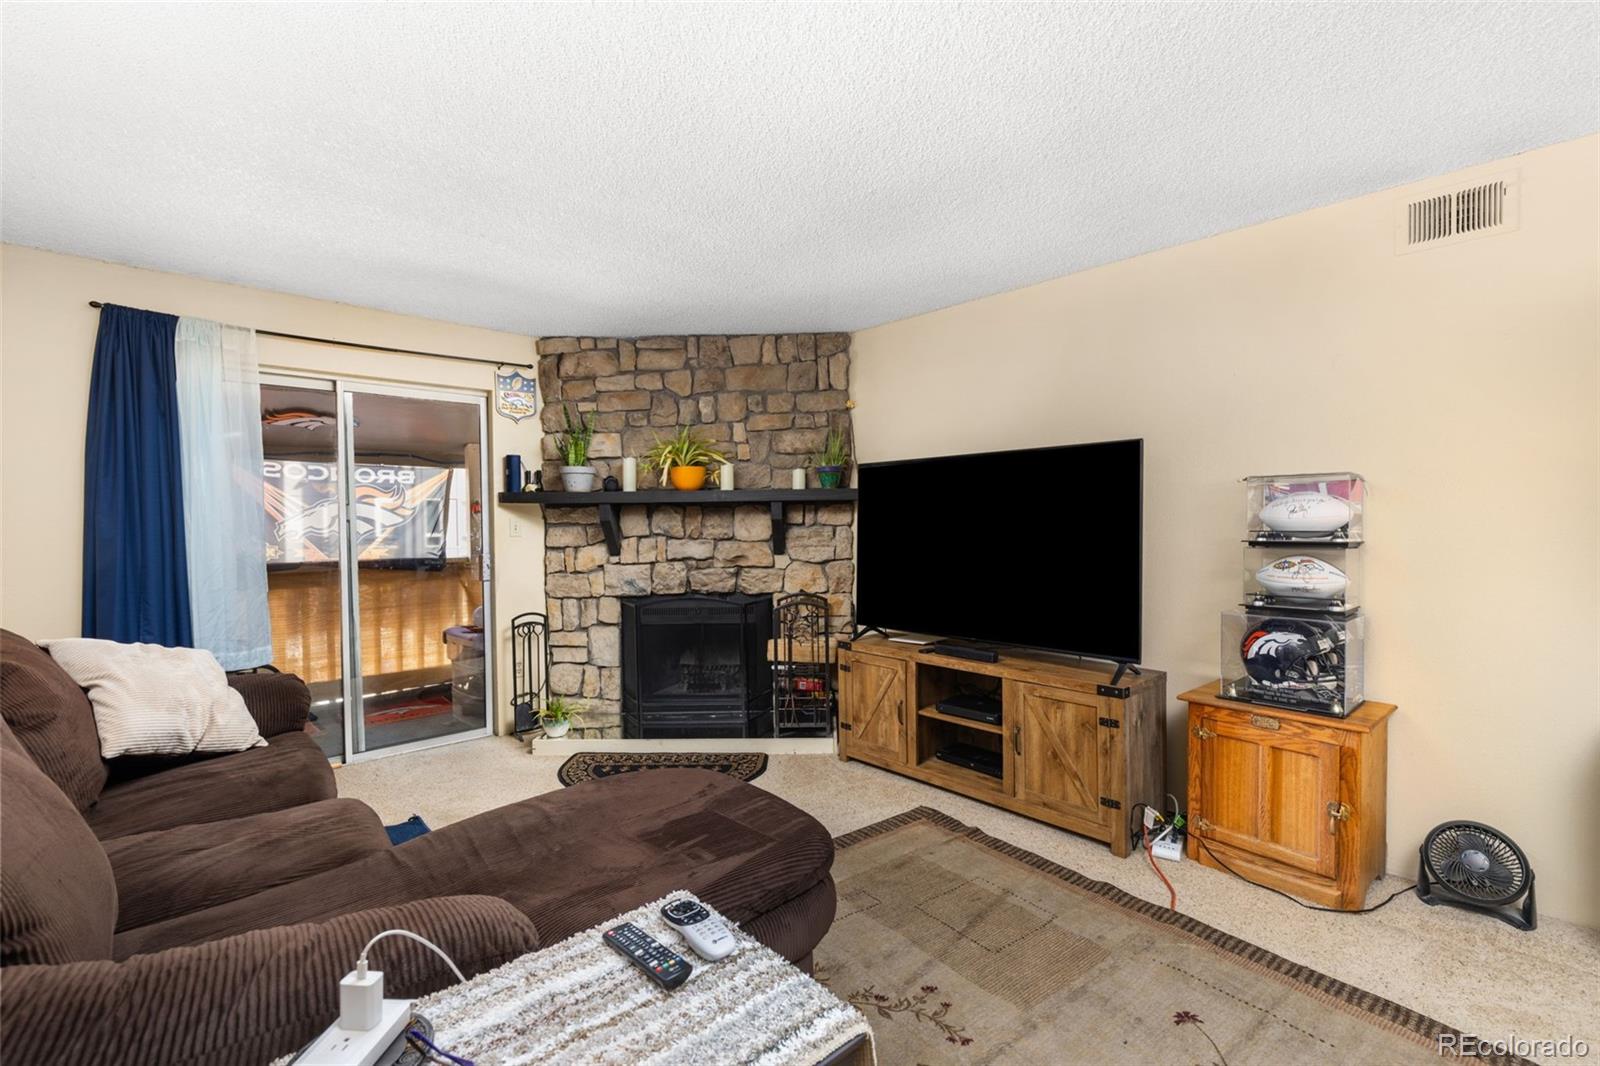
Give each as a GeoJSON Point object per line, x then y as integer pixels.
{"type": "Point", "coordinates": [610, 505]}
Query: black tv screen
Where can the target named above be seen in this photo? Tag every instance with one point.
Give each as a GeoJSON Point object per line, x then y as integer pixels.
{"type": "Point", "coordinates": [1040, 548]}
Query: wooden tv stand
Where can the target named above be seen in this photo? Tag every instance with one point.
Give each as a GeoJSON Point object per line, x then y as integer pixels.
{"type": "Point", "coordinates": [1075, 751]}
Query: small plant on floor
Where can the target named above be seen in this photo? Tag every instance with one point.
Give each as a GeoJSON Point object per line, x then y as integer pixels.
{"type": "Point", "coordinates": [576, 473]}
{"type": "Point", "coordinates": [683, 458]}
{"type": "Point", "coordinates": [832, 459]}
{"type": "Point", "coordinates": [558, 715]}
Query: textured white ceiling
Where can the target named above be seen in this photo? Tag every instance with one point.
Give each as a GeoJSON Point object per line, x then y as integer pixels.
{"type": "Point", "coordinates": [622, 169]}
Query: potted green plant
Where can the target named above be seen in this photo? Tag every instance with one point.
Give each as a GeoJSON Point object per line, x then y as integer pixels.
{"type": "Point", "coordinates": [558, 716]}
{"type": "Point", "coordinates": [576, 473]}
{"type": "Point", "coordinates": [832, 460]}
{"type": "Point", "coordinates": [682, 459]}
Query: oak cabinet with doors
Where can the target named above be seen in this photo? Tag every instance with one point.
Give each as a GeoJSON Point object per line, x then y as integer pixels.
{"type": "Point", "coordinates": [1288, 799]}
{"type": "Point", "coordinates": [1073, 749]}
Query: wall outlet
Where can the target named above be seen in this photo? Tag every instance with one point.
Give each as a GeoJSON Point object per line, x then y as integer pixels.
{"type": "Point", "coordinates": [514, 527]}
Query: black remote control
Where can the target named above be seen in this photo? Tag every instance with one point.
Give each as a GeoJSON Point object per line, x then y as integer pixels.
{"type": "Point", "coordinates": [666, 968]}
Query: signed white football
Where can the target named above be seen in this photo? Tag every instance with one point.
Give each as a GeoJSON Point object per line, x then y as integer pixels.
{"type": "Point", "coordinates": [1304, 576]}
{"type": "Point", "coordinates": [1306, 514]}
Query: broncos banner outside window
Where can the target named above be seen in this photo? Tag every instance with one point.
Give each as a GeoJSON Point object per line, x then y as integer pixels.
{"type": "Point", "coordinates": [403, 514]}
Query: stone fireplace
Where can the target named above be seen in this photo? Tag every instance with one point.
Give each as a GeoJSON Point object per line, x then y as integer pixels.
{"type": "Point", "coordinates": [767, 402]}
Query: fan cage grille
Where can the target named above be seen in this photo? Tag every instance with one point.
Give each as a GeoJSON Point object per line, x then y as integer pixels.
{"type": "Point", "coordinates": [1505, 877]}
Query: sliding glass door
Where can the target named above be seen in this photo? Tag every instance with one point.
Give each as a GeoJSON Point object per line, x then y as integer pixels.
{"type": "Point", "coordinates": [378, 573]}
{"type": "Point", "coordinates": [305, 545]}
{"type": "Point", "coordinates": [417, 573]}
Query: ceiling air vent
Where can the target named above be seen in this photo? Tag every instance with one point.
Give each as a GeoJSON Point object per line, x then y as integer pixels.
{"type": "Point", "coordinates": [1458, 214]}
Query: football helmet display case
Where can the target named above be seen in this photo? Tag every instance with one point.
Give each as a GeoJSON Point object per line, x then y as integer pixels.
{"type": "Point", "coordinates": [1298, 639]}
{"type": "Point", "coordinates": [1302, 661]}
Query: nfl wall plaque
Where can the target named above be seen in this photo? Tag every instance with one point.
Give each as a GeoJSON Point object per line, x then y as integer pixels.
{"type": "Point", "coordinates": [1298, 639]}
{"type": "Point", "coordinates": [516, 396]}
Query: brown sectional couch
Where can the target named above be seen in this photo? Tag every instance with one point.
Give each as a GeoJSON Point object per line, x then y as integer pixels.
{"type": "Point", "coordinates": [203, 910]}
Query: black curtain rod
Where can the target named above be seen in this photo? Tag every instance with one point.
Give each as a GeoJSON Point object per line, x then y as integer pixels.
{"type": "Point", "coordinates": [376, 347]}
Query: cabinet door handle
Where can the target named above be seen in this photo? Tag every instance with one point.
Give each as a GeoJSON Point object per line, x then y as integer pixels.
{"type": "Point", "coordinates": [900, 713]}
{"type": "Point", "coordinates": [1263, 722]}
{"type": "Point", "coordinates": [1337, 812]}
{"type": "Point", "coordinates": [1016, 739]}
{"type": "Point", "coordinates": [1202, 733]}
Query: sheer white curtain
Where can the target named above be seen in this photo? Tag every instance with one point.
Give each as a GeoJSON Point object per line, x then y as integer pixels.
{"type": "Point", "coordinates": [224, 521]}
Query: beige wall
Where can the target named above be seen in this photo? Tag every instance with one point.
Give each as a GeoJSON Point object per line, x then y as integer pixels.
{"type": "Point", "coordinates": [1460, 380]}
{"type": "Point", "coordinates": [47, 333]}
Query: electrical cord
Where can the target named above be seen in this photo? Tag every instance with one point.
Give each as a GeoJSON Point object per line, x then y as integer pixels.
{"type": "Point", "coordinates": [1150, 853]}
{"type": "Point", "coordinates": [361, 963]}
{"type": "Point", "coordinates": [1308, 906]}
{"type": "Point", "coordinates": [435, 1050]}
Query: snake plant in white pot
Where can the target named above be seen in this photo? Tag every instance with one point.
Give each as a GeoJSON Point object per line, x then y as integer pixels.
{"type": "Point", "coordinates": [576, 473]}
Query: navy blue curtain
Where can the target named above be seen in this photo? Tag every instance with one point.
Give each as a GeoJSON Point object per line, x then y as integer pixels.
{"type": "Point", "coordinates": [135, 567]}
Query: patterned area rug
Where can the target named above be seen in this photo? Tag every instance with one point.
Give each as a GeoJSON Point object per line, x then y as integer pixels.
{"type": "Point", "coordinates": [961, 948]}
{"type": "Point", "coordinates": [588, 765]}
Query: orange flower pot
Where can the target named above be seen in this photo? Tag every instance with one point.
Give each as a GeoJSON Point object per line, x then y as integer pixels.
{"type": "Point", "coordinates": [687, 478]}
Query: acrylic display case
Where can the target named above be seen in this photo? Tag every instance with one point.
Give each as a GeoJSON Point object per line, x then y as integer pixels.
{"type": "Point", "coordinates": [1302, 577]}
{"type": "Point", "coordinates": [1297, 661]}
{"type": "Point", "coordinates": [1305, 508]}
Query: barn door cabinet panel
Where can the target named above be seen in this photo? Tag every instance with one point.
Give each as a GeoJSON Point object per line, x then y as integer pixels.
{"type": "Point", "coordinates": [1073, 750]}
{"type": "Point", "coordinates": [872, 708]}
{"type": "Point", "coordinates": [1291, 800]}
{"type": "Point", "coordinates": [1061, 759]}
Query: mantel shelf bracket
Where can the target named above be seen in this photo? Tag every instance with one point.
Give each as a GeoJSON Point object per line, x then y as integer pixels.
{"type": "Point", "coordinates": [780, 529]}
{"type": "Point", "coordinates": [611, 526]}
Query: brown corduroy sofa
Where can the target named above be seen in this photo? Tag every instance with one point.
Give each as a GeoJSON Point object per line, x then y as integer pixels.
{"type": "Point", "coordinates": [203, 910]}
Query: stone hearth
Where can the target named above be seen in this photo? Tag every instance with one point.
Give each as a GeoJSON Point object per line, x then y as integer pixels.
{"type": "Point", "coordinates": [767, 402]}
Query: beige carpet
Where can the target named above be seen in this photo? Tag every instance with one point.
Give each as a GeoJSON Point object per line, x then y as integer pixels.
{"type": "Point", "coordinates": [1466, 970]}
{"type": "Point", "coordinates": [961, 948]}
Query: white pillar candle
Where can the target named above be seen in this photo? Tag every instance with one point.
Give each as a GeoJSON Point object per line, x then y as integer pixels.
{"type": "Point", "coordinates": [630, 474]}
{"type": "Point", "coordinates": [726, 479]}
{"type": "Point", "coordinates": [799, 478]}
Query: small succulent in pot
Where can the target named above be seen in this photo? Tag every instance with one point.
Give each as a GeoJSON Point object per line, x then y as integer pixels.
{"type": "Point", "coordinates": [683, 459]}
{"type": "Point", "coordinates": [576, 473]}
{"type": "Point", "coordinates": [833, 460]}
{"type": "Point", "coordinates": [558, 716]}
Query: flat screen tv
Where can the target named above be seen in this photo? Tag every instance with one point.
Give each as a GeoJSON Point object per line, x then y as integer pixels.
{"type": "Point", "coordinates": [1038, 548]}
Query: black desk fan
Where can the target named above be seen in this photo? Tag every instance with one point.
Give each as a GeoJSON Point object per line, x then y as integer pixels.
{"type": "Point", "coordinates": [1474, 866]}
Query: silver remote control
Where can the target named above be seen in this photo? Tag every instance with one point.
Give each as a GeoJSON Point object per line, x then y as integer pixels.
{"type": "Point", "coordinates": [709, 937]}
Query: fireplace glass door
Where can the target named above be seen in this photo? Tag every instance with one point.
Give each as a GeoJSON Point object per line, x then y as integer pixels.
{"type": "Point", "coordinates": [696, 666]}
{"type": "Point", "coordinates": [697, 661]}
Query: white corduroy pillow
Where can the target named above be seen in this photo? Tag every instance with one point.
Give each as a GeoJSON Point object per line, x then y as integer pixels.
{"type": "Point", "coordinates": [151, 700]}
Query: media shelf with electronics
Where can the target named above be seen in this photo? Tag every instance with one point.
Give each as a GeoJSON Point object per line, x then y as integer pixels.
{"type": "Point", "coordinates": [1070, 748]}
{"type": "Point", "coordinates": [1010, 706]}
{"type": "Point", "coordinates": [610, 504]}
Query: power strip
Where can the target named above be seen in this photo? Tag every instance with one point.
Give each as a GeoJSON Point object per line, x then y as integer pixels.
{"type": "Point", "coordinates": [358, 1047]}
{"type": "Point", "coordinates": [1169, 845]}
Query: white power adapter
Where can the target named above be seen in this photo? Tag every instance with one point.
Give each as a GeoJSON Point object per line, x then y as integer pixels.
{"type": "Point", "coordinates": [368, 1024]}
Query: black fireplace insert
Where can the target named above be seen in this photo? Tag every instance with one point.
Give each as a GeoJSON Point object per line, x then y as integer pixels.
{"type": "Point", "coordinates": [696, 666]}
